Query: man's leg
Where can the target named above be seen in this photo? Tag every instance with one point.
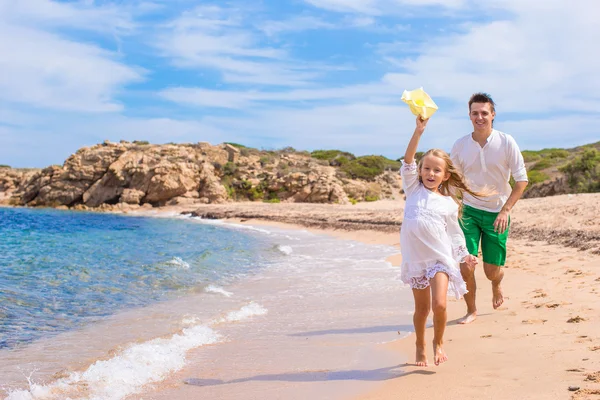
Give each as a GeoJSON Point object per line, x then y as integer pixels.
{"type": "Point", "coordinates": [493, 248]}
{"type": "Point", "coordinates": [470, 226]}
{"type": "Point", "coordinates": [495, 274]}
{"type": "Point", "coordinates": [468, 274]}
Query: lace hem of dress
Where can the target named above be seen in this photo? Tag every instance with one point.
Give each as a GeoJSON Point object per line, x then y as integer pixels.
{"type": "Point", "coordinates": [421, 282]}
{"type": "Point", "coordinates": [456, 285]}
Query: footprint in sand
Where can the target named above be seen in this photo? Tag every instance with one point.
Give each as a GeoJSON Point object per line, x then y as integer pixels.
{"type": "Point", "coordinates": [594, 348]}
{"type": "Point", "coordinates": [533, 321]}
{"type": "Point", "coordinates": [575, 320]}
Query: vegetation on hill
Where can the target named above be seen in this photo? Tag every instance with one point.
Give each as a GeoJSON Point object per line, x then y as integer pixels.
{"type": "Point", "coordinates": [580, 165]}
{"type": "Point", "coordinates": [583, 171]}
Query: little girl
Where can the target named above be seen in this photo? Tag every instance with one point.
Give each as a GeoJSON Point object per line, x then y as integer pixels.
{"type": "Point", "coordinates": [431, 240]}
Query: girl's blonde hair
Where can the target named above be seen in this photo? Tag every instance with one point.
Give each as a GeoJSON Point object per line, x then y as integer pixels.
{"type": "Point", "coordinates": [456, 185]}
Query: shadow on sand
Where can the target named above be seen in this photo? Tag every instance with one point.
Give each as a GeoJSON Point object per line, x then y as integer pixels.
{"type": "Point", "coordinates": [368, 329]}
{"type": "Point", "coordinates": [380, 374]}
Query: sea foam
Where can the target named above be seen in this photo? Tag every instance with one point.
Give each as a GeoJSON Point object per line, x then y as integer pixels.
{"type": "Point", "coordinates": [137, 366]}
{"type": "Point", "coordinates": [217, 289]}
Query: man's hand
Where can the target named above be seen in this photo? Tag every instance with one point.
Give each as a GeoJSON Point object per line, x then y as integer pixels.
{"type": "Point", "coordinates": [501, 222]}
{"type": "Point", "coordinates": [471, 260]}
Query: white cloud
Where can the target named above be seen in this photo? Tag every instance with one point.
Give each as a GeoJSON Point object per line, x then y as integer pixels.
{"type": "Point", "coordinates": [381, 7]}
{"type": "Point", "coordinates": [355, 6]}
{"type": "Point", "coordinates": [375, 92]}
{"type": "Point", "coordinates": [47, 71]}
{"type": "Point", "coordinates": [216, 38]}
{"type": "Point", "coordinates": [528, 66]}
{"type": "Point", "coordinates": [295, 24]}
{"type": "Point", "coordinates": [80, 14]}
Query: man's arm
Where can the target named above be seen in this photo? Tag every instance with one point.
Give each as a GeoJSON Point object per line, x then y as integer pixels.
{"type": "Point", "coordinates": [517, 165]}
{"type": "Point", "coordinates": [501, 222]}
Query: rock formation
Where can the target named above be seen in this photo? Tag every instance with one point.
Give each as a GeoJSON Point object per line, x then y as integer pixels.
{"type": "Point", "coordinates": [128, 175]}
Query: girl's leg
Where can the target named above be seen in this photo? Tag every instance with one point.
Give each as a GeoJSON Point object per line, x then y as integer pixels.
{"type": "Point", "coordinates": [439, 290]}
{"type": "Point", "coordinates": [422, 308]}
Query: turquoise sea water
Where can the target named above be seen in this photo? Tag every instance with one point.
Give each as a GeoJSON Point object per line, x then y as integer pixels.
{"type": "Point", "coordinates": [60, 270]}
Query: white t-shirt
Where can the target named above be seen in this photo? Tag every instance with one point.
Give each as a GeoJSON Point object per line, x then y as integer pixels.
{"type": "Point", "coordinates": [491, 166]}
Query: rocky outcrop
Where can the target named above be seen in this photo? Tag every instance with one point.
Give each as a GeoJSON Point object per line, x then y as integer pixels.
{"type": "Point", "coordinates": [129, 175]}
{"type": "Point", "coordinates": [552, 188]}
{"type": "Point", "coordinates": [10, 181]}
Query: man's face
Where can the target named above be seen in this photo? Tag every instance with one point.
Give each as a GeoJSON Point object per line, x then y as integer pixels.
{"type": "Point", "coordinates": [482, 116]}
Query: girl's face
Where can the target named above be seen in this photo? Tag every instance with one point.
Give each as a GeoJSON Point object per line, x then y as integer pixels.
{"type": "Point", "coordinates": [433, 172]}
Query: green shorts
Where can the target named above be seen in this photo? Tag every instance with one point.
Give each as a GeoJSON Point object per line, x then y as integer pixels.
{"type": "Point", "coordinates": [478, 225]}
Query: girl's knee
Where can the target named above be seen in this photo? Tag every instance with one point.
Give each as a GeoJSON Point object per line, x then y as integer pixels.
{"type": "Point", "coordinates": [438, 307]}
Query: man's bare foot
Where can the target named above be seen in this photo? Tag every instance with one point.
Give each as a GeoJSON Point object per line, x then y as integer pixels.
{"type": "Point", "coordinates": [439, 355]}
{"type": "Point", "coordinates": [497, 298]}
{"type": "Point", "coordinates": [467, 319]}
{"type": "Point", "coordinates": [421, 357]}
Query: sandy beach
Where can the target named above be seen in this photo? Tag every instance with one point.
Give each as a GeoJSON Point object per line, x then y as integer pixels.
{"type": "Point", "coordinates": [543, 343]}
{"type": "Point", "coordinates": [357, 344]}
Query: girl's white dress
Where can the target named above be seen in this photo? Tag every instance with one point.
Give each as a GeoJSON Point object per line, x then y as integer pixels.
{"type": "Point", "coordinates": [431, 239]}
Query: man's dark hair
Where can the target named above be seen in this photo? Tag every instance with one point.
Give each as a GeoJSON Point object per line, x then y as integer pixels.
{"type": "Point", "coordinates": [482, 98]}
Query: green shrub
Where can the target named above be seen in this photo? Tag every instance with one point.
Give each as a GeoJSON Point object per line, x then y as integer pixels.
{"type": "Point", "coordinates": [530, 156]}
{"type": "Point", "coordinates": [366, 167]}
{"type": "Point", "coordinates": [229, 168]}
{"type": "Point", "coordinates": [371, 198]}
{"type": "Point", "coordinates": [331, 154]}
{"type": "Point", "coordinates": [141, 142]}
{"type": "Point", "coordinates": [536, 177]}
{"type": "Point", "coordinates": [554, 153]}
{"type": "Point", "coordinates": [352, 200]}
{"type": "Point", "coordinates": [543, 164]}
{"type": "Point", "coordinates": [4, 166]}
{"type": "Point", "coordinates": [274, 200]}
{"type": "Point", "coordinates": [583, 172]}
{"type": "Point", "coordinates": [266, 159]}
{"type": "Point", "coordinates": [239, 146]}
{"type": "Point", "coordinates": [255, 193]}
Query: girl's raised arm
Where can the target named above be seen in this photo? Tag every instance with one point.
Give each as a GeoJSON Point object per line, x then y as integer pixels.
{"type": "Point", "coordinates": [411, 150]}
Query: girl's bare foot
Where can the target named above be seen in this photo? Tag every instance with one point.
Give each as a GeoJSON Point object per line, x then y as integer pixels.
{"type": "Point", "coordinates": [421, 357]}
{"type": "Point", "coordinates": [439, 355]}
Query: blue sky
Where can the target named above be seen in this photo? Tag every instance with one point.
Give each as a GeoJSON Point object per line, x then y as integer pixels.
{"type": "Point", "coordinates": [312, 74]}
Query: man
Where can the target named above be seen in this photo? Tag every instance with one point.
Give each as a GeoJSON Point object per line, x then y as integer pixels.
{"type": "Point", "coordinates": [487, 158]}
